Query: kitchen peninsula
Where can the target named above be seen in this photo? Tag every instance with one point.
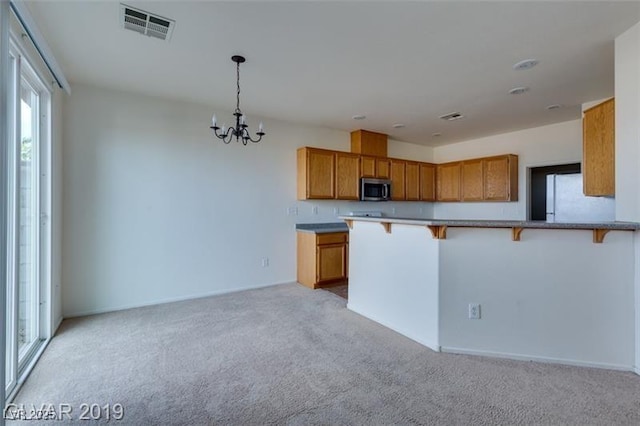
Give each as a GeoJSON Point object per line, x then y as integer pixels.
{"type": "Point", "coordinates": [546, 291]}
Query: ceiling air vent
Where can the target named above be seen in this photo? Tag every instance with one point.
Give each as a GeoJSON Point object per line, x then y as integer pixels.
{"type": "Point", "coordinates": [146, 23]}
{"type": "Point", "coordinates": [452, 116]}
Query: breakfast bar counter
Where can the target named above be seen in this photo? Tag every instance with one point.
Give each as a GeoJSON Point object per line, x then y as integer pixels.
{"type": "Point", "coordinates": [543, 291]}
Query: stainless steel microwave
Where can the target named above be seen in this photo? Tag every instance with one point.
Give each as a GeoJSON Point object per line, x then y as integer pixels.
{"type": "Point", "coordinates": [375, 189]}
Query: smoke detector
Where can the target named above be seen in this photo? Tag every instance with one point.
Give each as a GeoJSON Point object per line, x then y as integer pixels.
{"type": "Point", "coordinates": [452, 116]}
{"type": "Point", "coordinates": [146, 23]}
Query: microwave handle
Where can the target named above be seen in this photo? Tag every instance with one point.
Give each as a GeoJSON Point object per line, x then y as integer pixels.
{"type": "Point", "coordinates": [385, 191]}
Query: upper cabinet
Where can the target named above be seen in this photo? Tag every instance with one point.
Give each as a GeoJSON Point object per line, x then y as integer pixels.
{"type": "Point", "coordinates": [324, 174]}
{"type": "Point", "coordinates": [412, 181]}
{"type": "Point", "coordinates": [427, 182]}
{"type": "Point", "coordinates": [448, 181]}
{"type": "Point", "coordinates": [478, 179]}
{"type": "Point", "coordinates": [500, 177]}
{"type": "Point", "coordinates": [398, 189]}
{"type": "Point", "coordinates": [383, 168]}
{"type": "Point", "coordinates": [367, 167]}
{"type": "Point", "coordinates": [598, 150]}
{"type": "Point", "coordinates": [472, 180]}
{"type": "Point", "coordinates": [373, 167]}
{"type": "Point", "coordinates": [316, 174]}
{"type": "Point", "coordinates": [347, 176]}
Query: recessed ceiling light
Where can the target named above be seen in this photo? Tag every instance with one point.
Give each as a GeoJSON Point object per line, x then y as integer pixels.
{"type": "Point", "coordinates": [452, 116]}
{"type": "Point", "coordinates": [554, 106]}
{"type": "Point", "coordinates": [359, 117]}
{"type": "Point", "coordinates": [436, 135]}
{"type": "Point", "coordinates": [518, 90]}
{"type": "Point", "coordinates": [526, 64]}
{"type": "Point", "coordinates": [398, 126]}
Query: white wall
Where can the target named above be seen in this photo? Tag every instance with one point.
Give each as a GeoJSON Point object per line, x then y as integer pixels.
{"type": "Point", "coordinates": [553, 296]}
{"type": "Point", "coordinates": [158, 209]}
{"type": "Point", "coordinates": [541, 146]}
{"type": "Point", "coordinates": [627, 92]}
{"type": "Point", "coordinates": [393, 279]}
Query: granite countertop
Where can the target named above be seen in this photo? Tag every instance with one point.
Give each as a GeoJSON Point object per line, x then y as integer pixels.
{"type": "Point", "coordinates": [632, 226]}
{"type": "Point", "coordinates": [322, 228]}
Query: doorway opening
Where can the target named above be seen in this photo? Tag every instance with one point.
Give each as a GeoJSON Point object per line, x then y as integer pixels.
{"type": "Point", "coordinates": [538, 187]}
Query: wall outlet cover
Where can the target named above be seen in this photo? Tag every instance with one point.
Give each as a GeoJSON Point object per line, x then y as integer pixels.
{"type": "Point", "coordinates": [474, 311]}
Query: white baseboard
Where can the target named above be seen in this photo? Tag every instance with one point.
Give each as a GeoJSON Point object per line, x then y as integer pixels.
{"type": "Point", "coordinates": [548, 360]}
{"type": "Point", "coordinates": [168, 300]}
{"type": "Point", "coordinates": [433, 345]}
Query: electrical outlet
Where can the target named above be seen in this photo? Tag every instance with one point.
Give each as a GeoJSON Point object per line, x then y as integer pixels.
{"type": "Point", "coordinates": [474, 311]}
{"type": "Point", "coordinates": [336, 211]}
{"type": "Point", "coordinates": [292, 211]}
{"type": "Point", "coordinates": [265, 262]}
{"type": "Point", "coordinates": [314, 209]}
{"type": "Point", "coordinates": [393, 210]}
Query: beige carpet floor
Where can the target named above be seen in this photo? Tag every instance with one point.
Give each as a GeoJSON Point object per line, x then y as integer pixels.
{"type": "Point", "coordinates": [292, 356]}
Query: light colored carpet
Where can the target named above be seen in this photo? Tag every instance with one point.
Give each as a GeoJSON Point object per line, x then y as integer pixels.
{"type": "Point", "coordinates": [290, 355]}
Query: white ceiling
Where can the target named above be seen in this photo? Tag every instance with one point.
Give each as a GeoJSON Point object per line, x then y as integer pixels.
{"type": "Point", "coordinates": [320, 63]}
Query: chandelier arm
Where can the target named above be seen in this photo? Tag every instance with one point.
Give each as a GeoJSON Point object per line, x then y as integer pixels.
{"type": "Point", "coordinates": [257, 140]}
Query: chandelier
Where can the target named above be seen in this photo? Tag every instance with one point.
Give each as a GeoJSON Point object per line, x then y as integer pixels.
{"type": "Point", "coordinates": [240, 131]}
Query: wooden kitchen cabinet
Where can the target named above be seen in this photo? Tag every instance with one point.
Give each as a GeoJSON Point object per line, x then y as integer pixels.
{"type": "Point", "coordinates": [598, 150]}
{"type": "Point", "coordinates": [368, 167]}
{"type": "Point", "coordinates": [365, 142]}
{"type": "Point", "coordinates": [500, 177]}
{"type": "Point", "coordinates": [347, 176]}
{"type": "Point", "coordinates": [412, 181]}
{"type": "Point", "coordinates": [398, 192]}
{"type": "Point", "coordinates": [448, 181]}
{"type": "Point", "coordinates": [322, 258]}
{"type": "Point", "coordinates": [374, 167]}
{"type": "Point", "coordinates": [316, 174]}
{"type": "Point", "coordinates": [427, 182]}
{"type": "Point", "coordinates": [472, 180]}
{"type": "Point", "coordinates": [383, 168]}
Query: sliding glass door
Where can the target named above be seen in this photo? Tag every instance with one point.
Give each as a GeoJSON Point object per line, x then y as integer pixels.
{"type": "Point", "coordinates": [28, 248]}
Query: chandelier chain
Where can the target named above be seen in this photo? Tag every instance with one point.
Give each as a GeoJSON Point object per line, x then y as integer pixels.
{"type": "Point", "coordinates": [238, 84]}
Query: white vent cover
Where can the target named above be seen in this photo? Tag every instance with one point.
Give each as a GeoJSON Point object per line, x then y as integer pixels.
{"type": "Point", "coordinates": [146, 23]}
{"type": "Point", "coordinates": [452, 116]}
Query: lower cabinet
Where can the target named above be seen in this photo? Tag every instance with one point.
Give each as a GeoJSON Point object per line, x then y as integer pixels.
{"type": "Point", "coordinates": [322, 258]}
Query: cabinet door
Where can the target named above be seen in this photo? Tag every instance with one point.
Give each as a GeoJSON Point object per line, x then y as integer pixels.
{"type": "Point", "coordinates": [383, 169]}
{"type": "Point", "coordinates": [497, 178]}
{"type": "Point", "coordinates": [368, 167]}
{"type": "Point", "coordinates": [412, 181]}
{"type": "Point", "coordinates": [427, 182]}
{"type": "Point", "coordinates": [472, 182]}
{"type": "Point", "coordinates": [331, 262]}
{"type": "Point", "coordinates": [397, 180]}
{"type": "Point", "coordinates": [347, 176]}
{"type": "Point", "coordinates": [598, 143]}
{"type": "Point", "coordinates": [321, 167]}
{"type": "Point", "coordinates": [448, 182]}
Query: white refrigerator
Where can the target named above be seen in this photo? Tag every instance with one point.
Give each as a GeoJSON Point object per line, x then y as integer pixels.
{"type": "Point", "coordinates": [567, 203]}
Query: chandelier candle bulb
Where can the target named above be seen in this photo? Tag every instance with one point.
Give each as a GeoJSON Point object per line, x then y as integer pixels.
{"type": "Point", "coordinates": [260, 127]}
{"type": "Point", "coordinates": [213, 120]}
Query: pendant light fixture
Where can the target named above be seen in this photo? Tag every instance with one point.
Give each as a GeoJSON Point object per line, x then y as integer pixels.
{"type": "Point", "coordinates": [240, 131]}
